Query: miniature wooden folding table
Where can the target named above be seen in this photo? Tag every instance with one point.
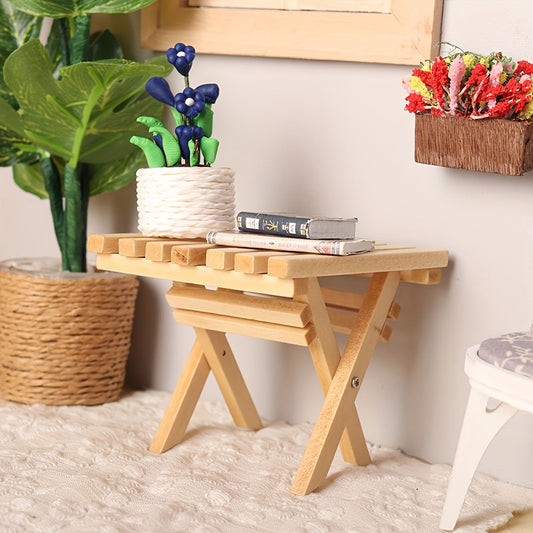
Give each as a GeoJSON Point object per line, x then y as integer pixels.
{"type": "Point", "coordinates": [276, 296]}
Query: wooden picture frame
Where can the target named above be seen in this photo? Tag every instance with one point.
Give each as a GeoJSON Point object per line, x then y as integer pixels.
{"type": "Point", "coordinates": [406, 35]}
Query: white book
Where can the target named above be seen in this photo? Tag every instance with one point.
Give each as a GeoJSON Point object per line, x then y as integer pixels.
{"type": "Point", "coordinates": [275, 242]}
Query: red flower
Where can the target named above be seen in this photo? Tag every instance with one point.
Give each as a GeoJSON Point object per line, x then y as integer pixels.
{"type": "Point", "coordinates": [479, 72]}
{"type": "Point", "coordinates": [426, 77]}
{"type": "Point", "coordinates": [415, 103]}
{"type": "Point", "coordinates": [500, 109]}
{"type": "Point", "coordinates": [524, 67]}
{"type": "Point", "coordinates": [439, 74]}
{"type": "Point", "coordinates": [490, 93]}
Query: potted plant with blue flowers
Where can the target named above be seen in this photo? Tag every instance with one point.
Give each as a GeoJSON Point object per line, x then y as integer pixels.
{"type": "Point", "coordinates": [181, 193]}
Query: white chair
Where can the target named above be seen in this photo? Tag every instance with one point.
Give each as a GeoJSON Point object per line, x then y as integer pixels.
{"type": "Point", "coordinates": [500, 368]}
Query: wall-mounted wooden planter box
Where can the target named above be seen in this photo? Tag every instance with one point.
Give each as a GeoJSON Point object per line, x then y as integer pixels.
{"type": "Point", "coordinates": [484, 145]}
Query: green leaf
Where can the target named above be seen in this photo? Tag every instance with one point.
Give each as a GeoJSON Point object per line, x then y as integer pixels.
{"type": "Point", "coordinates": [89, 114]}
{"type": "Point", "coordinates": [74, 8]}
{"type": "Point", "coordinates": [9, 118]}
{"type": "Point", "coordinates": [14, 146]}
{"type": "Point", "coordinates": [16, 28]}
{"type": "Point", "coordinates": [171, 146]}
{"type": "Point", "coordinates": [150, 122]}
{"type": "Point", "coordinates": [111, 177]}
{"type": "Point", "coordinates": [104, 45]}
{"type": "Point", "coordinates": [154, 156]}
{"type": "Point", "coordinates": [209, 147]}
{"type": "Point", "coordinates": [205, 121]}
{"type": "Point", "coordinates": [30, 179]}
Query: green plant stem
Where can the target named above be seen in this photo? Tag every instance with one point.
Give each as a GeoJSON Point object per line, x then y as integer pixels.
{"type": "Point", "coordinates": [76, 203]}
{"type": "Point", "coordinates": [70, 222]}
{"type": "Point", "coordinates": [76, 184]}
{"type": "Point", "coordinates": [52, 183]}
{"type": "Point", "coordinates": [64, 34]}
{"type": "Point", "coordinates": [78, 43]}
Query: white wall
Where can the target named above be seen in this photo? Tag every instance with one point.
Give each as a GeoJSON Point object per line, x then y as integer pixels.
{"type": "Point", "coordinates": [332, 137]}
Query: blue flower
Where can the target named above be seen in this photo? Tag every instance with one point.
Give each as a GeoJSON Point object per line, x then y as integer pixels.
{"type": "Point", "coordinates": [185, 134]}
{"type": "Point", "coordinates": [189, 103]}
{"type": "Point", "coordinates": [159, 89]}
{"type": "Point", "coordinates": [181, 57]}
{"type": "Point", "coordinates": [210, 92]}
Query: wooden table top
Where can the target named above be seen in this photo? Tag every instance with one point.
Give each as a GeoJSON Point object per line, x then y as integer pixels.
{"type": "Point", "coordinates": [166, 255]}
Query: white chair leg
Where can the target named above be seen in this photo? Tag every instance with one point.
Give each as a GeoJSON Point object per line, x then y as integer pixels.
{"type": "Point", "coordinates": [480, 426]}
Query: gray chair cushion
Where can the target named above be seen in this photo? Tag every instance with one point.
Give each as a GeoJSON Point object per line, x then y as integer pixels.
{"type": "Point", "coordinates": [512, 351]}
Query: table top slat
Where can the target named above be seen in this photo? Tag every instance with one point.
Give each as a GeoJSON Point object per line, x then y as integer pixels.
{"type": "Point", "coordinates": [108, 243]}
{"type": "Point", "coordinates": [161, 250]}
{"type": "Point", "coordinates": [391, 260]}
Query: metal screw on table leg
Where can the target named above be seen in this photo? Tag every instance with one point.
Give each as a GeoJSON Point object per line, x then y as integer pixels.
{"type": "Point", "coordinates": [356, 382]}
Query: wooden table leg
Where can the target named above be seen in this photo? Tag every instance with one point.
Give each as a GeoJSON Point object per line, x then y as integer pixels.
{"type": "Point", "coordinates": [346, 383]}
{"type": "Point", "coordinates": [229, 378]}
{"type": "Point", "coordinates": [326, 356]}
{"type": "Point", "coordinates": [183, 401]}
{"type": "Point", "coordinates": [210, 351]}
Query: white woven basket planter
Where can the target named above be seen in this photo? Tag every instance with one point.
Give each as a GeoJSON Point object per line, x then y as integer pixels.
{"type": "Point", "coordinates": [185, 202]}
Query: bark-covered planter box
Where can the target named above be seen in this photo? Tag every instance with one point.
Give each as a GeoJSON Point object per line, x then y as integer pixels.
{"type": "Point", "coordinates": [485, 145]}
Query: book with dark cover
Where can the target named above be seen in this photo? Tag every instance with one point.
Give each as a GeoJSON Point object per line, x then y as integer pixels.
{"type": "Point", "coordinates": [302, 227]}
{"type": "Point", "coordinates": [246, 239]}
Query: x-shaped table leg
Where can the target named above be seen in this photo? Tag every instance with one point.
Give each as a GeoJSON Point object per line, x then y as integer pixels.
{"type": "Point", "coordinates": [326, 356]}
{"type": "Point", "coordinates": [338, 405]}
{"type": "Point", "coordinates": [210, 351]}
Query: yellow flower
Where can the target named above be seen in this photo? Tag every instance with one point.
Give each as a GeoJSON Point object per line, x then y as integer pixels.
{"type": "Point", "coordinates": [426, 67]}
{"type": "Point", "coordinates": [484, 61]}
{"type": "Point", "coordinates": [469, 60]}
{"type": "Point", "coordinates": [527, 112]}
{"type": "Point", "coordinates": [419, 86]}
{"type": "Point", "coordinates": [503, 78]}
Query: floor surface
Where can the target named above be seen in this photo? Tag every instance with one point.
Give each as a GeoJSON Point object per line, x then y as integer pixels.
{"type": "Point", "coordinates": [520, 523]}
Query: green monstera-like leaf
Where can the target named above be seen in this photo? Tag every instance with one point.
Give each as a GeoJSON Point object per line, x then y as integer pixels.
{"type": "Point", "coordinates": [16, 28]}
{"type": "Point", "coordinates": [74, 8]}
{"type": "Point", "coordinates": [30, 179]}
{"type": "Point", "coordinates": [89, 114]}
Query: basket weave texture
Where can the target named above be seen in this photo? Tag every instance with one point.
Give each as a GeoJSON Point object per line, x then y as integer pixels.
{"type": "Point", "coordinates": [64, 341]}
{"type": "Point", "coordinates": [185, 202]}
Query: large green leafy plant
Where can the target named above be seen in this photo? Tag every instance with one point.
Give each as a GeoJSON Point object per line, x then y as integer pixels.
{"type": "Point", "coordinates": [67, 108]}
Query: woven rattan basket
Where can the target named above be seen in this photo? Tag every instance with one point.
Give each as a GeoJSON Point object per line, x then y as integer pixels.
{"type": "Point", "coordinates": [64, 338]}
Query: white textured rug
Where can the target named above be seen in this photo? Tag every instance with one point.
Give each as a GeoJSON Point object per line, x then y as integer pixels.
{"type": "Point", "coordinates": [87, 469]}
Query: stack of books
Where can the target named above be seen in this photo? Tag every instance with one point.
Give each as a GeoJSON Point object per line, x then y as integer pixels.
{"type": "Point", "coordinates": [295, 233]}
